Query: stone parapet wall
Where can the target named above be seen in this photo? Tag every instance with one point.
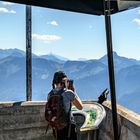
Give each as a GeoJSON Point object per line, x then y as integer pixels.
{"type": "Point", "coordinates": [128, 124]}
{"type": "Point", "coordinates": [25, 121]}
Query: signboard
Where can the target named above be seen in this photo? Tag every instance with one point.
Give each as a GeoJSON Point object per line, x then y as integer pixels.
{"type": "Point", "coordinates": [90, 117]}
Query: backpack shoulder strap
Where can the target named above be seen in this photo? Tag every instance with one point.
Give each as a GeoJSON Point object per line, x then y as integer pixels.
{"type": "Point", "coordinates": [61, 91]}
{"type": "Point", "coordinates": [50, 93]}
{"type": "Point", "coordinates": [53, 91]}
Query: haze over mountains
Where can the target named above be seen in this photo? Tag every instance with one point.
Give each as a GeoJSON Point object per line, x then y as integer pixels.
{"type": "Point", "coordinates": [90, 77]}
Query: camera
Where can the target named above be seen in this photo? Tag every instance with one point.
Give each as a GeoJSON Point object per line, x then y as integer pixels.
{"type": "Point", "coordinates": [70, 84]}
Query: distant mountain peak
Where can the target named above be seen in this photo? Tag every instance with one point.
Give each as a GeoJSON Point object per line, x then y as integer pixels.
{"type": "Point", "coordinates": [115, 53]}
{"type": "Point", "coordinates": [54, 57]}
{"type": "Point", "coordinates": [119, 61]}
{"type": "Point", "coordinates": [11, 52]}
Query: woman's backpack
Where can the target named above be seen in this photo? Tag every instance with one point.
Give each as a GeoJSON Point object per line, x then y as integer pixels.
{"type": "Point", "coordinates": [55, 112]}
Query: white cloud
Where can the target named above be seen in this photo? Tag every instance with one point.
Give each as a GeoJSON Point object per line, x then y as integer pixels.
{"type": "Point", "coordinates": [5, 10]}
{"type": "Point", "coordinates": [44, 76]}
{"type": "Point", "coordinates": [46, 38]}
{"type": "Point", "coordinates": [137, 21]}
{"type": "Point", "coordinates": [138, 11]}
{"type": "Point", "coordinates": [7, 3]}
{"type": "Point", "coordinates": [54, 23]}
{"type": "Point", "coordinates": [90, 26]}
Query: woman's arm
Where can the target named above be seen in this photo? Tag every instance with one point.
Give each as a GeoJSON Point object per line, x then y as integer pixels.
{"type": "Point", "coordinates": [77, 102]}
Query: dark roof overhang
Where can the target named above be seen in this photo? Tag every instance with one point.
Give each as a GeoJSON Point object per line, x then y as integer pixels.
{"type": "Point", "coordinates": [95, 7]}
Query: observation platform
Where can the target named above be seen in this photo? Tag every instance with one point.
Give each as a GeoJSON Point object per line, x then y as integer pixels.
{"type": "Point", "coordinates": [25, 121]}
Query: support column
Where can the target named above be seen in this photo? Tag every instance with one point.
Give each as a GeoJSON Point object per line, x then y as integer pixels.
{"type": "Point", "coordinates": [111, 66]}
{"type": "Point", "coordinates": [28, 54]}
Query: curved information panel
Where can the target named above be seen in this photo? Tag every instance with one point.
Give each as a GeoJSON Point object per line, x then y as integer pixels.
{"type": "Point", "coordinates": [90, 117]}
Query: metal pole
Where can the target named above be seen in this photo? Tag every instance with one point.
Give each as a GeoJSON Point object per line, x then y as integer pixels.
{"type": "Point", "coordinates": [111, 66]}
{"type": "Point", "coordinates": [28, 54]}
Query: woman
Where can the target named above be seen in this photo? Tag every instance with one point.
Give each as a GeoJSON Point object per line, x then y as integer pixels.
{"type": "Point", "coordinates": [61, 81]}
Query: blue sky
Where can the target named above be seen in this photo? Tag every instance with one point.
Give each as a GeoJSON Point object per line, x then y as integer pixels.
{"type": "Point", "coordinates": [72, 35]}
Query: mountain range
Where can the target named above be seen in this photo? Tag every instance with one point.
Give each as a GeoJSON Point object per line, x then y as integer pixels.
{"type": "Point", "coordinates": [90, 77]}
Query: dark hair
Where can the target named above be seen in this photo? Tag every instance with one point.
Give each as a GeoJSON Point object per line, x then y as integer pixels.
{"type": "Point", "coordinates": [58, 78]}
